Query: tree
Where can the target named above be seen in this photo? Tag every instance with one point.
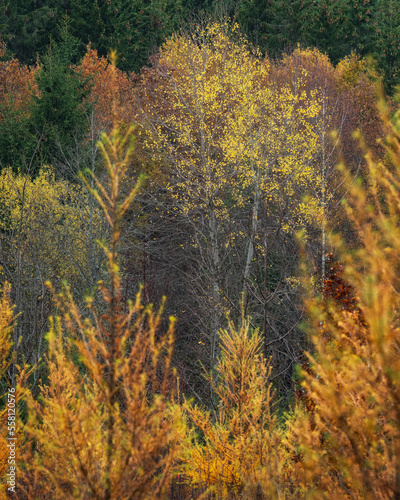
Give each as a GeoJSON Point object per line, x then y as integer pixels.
{"type": "Point", "coordinates": [59, 110]}
{"type": "Point", "coordinates": [346, 95]}
{"type": "Point", "coordinates": [134, 29]}
{"type": "Point", "coordinates": [387, 40]}
{"type": "Point", "coordinates": [47, 232]}
{"type": "Point", "coordinates": [237, 452]}
{"type": "Point", "coordinates": [234, 145]}
{"type": "Point", "coordinates": [17, 88]}
{"type": "Point", "coordinates": [197, 76]}
{"type": "Point", "coordinates": [350, 448]}
{"type": "Point", "coordinates": [105, 85]}
{"type": "Point", "coordinates": [273, 144]}
{"type": "Point", "coordinates": [272, 25]}
{"type": "Point", "coordinates": [339, 27]}
{"type": "Point", "coordinates": [120, 429]}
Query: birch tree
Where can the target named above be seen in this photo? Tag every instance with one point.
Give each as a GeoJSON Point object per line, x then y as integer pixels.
{"type": "Point", "coordinates": [185, 104]}
{"type": "Point", "coordinates": [234, 144]}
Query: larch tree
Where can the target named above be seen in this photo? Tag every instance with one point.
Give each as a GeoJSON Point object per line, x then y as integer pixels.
{"type": "Point", "coordinates": [238, 451]}
{"type": "Point", "coordinates": [349, 444]}
{"type": "Point", "coordinates": [13, 392]}
{"type": "Point", "coordinates": [106, 425]}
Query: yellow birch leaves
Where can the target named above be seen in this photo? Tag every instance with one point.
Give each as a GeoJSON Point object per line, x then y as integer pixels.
{"type": "Point", "coordinates": [226, 129]}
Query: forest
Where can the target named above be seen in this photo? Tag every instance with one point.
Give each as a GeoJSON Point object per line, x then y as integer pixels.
{"type": "Point", "coordinates": [199, 249]}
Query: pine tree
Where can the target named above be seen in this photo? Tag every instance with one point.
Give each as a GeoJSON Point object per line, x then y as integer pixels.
{"type": "Point", "coordinates": [339, 27]}
{"type": "Point", "coordinates": [273, 26]}
{"type": "Point", "coordinates": [58, 112]}
{"type": "Point", "coordinates": [387, 40]}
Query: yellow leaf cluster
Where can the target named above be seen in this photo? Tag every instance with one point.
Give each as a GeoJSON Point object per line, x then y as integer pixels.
{"type": "Point", "coordinates": [227, 131]}
{"type": "Point", "coordinates": [48, 221]}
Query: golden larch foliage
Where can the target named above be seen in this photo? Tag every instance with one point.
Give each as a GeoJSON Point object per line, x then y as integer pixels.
{"type": "Point", "coordinates": [350, 446]}
{"type": "Point", "coordinates": [237, 450]}
{"type": "Point", "coordinates": [105, 425]}
{"type": "Point", "coordinates": [10, 425]}
{"type": "Point", "coordinates": [6, 329]}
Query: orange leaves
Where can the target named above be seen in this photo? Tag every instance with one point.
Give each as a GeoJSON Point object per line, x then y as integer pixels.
{"type": "Point", "coordinates": [308, 69]}
{"type": "Point", "coordinates": [17, 84]}
{"type": "Point", "coordinates": [343, 294]}
{"type": "Point", "coordinates": [108, 85]}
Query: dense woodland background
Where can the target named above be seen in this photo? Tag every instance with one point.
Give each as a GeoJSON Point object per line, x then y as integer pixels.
{"type": "Point", "coordinates": [136, 29]}
{"type": "Point", "coordinates": [244, 138]}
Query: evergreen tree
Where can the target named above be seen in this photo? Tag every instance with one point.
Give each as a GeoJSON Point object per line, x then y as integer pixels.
{"type": "Point", "coordinates": [135, 29]}
{"type": "Point", "coordinates": [272, 25]}
{"type": "Point", "coordinates": [387, 40]}
{"type": "Point", "coordinates": [339, 27]}
{"type": "Point", "coordinates": [17, 143]}
{"type": "Point", "coordinates": [30, 24]}
{"type": "Point", "coordinates": [58, 113]}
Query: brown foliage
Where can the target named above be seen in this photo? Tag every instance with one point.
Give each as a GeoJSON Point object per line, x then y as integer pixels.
{"type": "Point", "coordinates": [348, 92]}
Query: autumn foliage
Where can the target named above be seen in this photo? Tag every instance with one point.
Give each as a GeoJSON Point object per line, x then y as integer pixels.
{"type": "Point", "coordinates": [352, 448]}
{"type": "Point", "coordinates": [16, 383]}
{"type": "Point", "coordinates": [17, 83]}
{"type": "Point", "coordinates": [237, 449]}
{"type": "Point", "coordinates": [6, 331]}
{"type": "Point", "coordinates": [106, 425]}
{"type": "Point", "coordinates": [242, 153]}
{"type": "Point", "coordinates": [109, 86]}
